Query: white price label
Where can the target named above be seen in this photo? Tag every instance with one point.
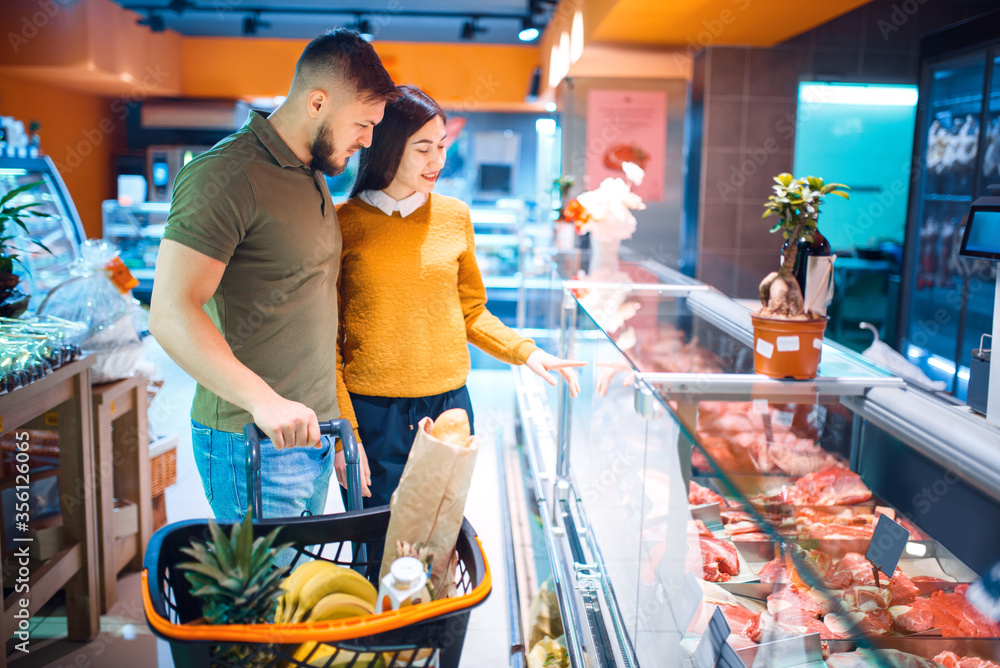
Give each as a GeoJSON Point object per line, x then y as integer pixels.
{"type": "Point", "coordinates": [765, 348]}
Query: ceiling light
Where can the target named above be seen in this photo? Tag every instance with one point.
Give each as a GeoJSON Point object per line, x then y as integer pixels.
{"type": "Point", "coordinates": [551, 107]}
{"type": "Point", "coordinates": [365, 28]}
{"type": "Point", "coordinates": [155, 22]}
{"type": "Point", "coordinates": [528, 30]}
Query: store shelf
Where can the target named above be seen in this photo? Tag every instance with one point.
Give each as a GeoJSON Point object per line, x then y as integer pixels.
{"type": "Point", "coordinates": [65, 393]}
{"type": "Point", "coordinates": [741, 386]}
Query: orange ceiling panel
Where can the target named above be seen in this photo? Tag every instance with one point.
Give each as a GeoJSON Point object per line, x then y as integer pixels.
{"type": "Point", "coordinates": [701, 23]}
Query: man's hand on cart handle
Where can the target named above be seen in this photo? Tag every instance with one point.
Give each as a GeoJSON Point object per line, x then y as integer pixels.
{"type": "Point", "coordinates": [542, 362]}
{"type": "Point", "coordinates": [288, 424]}
{"type": "Point", "coordinates": [340, 466]}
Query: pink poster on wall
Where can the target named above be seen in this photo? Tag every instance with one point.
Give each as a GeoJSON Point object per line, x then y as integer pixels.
{"type": "Point", "coordinates": [627, 126]}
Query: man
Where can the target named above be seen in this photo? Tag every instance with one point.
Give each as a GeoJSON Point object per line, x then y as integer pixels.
{"type": "Point", "coordinates": [245, 295]}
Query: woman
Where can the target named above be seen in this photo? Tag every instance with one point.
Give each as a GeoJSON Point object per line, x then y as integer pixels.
{"type": "Point", "coordinates": [411, 296]}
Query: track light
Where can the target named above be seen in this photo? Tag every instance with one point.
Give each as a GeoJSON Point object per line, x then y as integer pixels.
{"type": "Point", "coordinates": [471, 28]}
{"type": "Point", "coordinates": [528, 31]}
{"type": "Point", "coordinates": [364, 27]}
{"type": "Point", "coordinates": [253, 23]}
{"type": "Point", "coordinates": [155, 22]}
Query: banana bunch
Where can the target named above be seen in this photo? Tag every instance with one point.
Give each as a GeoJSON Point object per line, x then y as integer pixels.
{"type": "Point", "coordinates": [320, 590]}
{"type": "Point", "coordinates": [309, 654]}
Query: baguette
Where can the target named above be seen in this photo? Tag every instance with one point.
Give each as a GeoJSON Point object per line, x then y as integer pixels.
{"type": "Point", "coordinates": [452, 427]}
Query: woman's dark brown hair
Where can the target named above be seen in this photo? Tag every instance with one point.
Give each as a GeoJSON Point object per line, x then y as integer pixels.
{"type": "Point", "coordinates": [377, 164]}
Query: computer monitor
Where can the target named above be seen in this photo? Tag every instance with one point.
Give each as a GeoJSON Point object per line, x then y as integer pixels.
{"type": "Point", "coordinates": [982, 230]}
{"type": "Point", "coordinates": [495, 179]}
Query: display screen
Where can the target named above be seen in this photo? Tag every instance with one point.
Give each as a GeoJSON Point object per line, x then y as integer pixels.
{"type": "Point", "coordinates": [160, 174]}
{"type": "Point", "coordinates": [982, 234]}
{"type": "Point", "coordinates": [494, 178]}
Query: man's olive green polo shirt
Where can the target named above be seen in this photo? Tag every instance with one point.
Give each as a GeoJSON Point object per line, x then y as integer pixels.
{"type": "Point", "coordinates": [251, 203]}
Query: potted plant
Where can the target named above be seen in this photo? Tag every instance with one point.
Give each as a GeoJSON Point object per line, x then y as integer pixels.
{"type": "Point", "coordinates": [787, 335]}
{"type": "Point", "coordinates": [13, 301]}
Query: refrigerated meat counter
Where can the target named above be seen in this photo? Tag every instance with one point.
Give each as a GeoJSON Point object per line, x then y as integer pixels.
{"type": "Point", "coordinates": [60, 230]}
{"type": "Point", "coordinates": [693, 510]}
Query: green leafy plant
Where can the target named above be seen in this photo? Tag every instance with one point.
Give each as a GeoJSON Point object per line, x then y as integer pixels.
{"type": "Point", "coordinates": [796, 203]}
{"type": "Point", "coordinates": [16, 215]}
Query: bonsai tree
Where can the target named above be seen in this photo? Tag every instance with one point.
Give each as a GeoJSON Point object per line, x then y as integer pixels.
{"type": "Point", "coordinates": [796, 203]}
{"type": "Point", "coordinates": [17, 215]}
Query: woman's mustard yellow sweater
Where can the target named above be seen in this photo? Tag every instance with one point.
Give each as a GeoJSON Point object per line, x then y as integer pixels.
{"type": "Point", "coordinates": [411, 296]}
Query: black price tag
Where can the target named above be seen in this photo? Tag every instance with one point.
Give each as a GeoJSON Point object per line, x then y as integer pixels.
{"type": "Point", "coordinates": [888, 543]}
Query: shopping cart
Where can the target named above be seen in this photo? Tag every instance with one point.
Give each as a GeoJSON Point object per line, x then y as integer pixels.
{"type": "Point", "coordinates": [429, 634]}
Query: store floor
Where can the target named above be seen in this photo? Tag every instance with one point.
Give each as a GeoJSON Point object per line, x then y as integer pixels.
{"type": "Point", "coordinates": [125, 640]}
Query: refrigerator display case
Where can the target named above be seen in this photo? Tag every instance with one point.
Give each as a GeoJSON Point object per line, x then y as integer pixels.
{"type": "Point", "coordinates": [948, 299]}
{"type": "Point", "coordinates": [680, 483]}
{"type": "Point", "coordinates": [61, 232]}
{"type": "Point", "coordinates": [136, 230]}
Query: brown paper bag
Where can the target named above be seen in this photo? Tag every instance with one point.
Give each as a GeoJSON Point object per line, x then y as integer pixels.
{"type": "Point", "coordinates": [429, 503]}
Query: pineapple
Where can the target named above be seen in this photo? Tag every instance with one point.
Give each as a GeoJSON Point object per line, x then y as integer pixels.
{"type": "Point", "coordinates": [237, 581]}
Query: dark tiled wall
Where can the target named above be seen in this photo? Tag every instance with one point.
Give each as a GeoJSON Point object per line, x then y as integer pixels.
{"type": "Point", "coordinates": [749, 100]}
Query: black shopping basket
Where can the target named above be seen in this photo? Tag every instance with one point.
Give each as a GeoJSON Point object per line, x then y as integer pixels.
{"type": "Point", "coordinates": [429, 634]}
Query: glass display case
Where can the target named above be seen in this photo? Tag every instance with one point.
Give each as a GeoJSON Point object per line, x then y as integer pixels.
{"type": "Point", "coordinates": [948, 299]}
{"type": "Point", "coordinates": [136, 230]}
{"type": "Point", "coordinates": [61, 232]}
{"type": "Point", "coordinates": [679, 485]}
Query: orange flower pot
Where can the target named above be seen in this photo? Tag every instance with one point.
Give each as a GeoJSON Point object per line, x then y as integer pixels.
{"type": "Point", "coordinates": [787, 348]}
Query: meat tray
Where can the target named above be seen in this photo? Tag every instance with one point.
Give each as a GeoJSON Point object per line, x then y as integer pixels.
{"type": "Point", "coordinates": [928, 648]}
{"type": "Point", "coordinates": [928, 558]}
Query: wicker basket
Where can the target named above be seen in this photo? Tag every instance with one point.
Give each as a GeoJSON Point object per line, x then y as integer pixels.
{"type": "Point", "coordinates": [115, 363]}
{"type": "Point", "coordinates": [159, 504]}
{"type": "Point", "coordinates": [163, 471]}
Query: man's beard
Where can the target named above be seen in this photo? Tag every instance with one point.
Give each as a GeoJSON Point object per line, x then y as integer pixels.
{"type": "Point", "coordinates": [323, 150]}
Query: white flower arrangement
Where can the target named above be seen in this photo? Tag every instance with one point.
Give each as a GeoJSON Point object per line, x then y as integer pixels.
{"type": "Point", "coordinates": [606, 213]}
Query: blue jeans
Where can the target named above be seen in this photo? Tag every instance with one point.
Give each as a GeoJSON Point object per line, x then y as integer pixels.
{"type": "Point", "coordinates": [292, 479]}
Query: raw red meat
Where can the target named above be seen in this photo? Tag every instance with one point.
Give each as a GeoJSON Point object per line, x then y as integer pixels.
{"type": "Point", "coordinates": [779, 570]}
{"type": "Point", "coordinates": [773, 571]}
{"type": "Point", "coordinates": [709, 558]}
{"type": "Point", "coordinates": [952, 660]}
{"type": "Point", "coordinates": [698, 495]}
{"type": "Point", "coordinates": [852, 569]}
{"type": "Point", "coordinates": [914, 618]}
{"type": "Point", "coordinates": [830, 486]}
{"type": "Point", "coordinates": [902, 588]}
{"type": "Point", "coordinates": [739, 441]}
{"type": "Point", "coordinates": [742, 621]}
{"type": "Point", "coordinates": [719, 559]}
{"type": "Point", "coordinates": [960, 619]}
{"type": "Point", "coordinates": [793, 604]}
{"type": "Point", "coordinates": [866, 599]}
{"type": "Point", "coordinates": [855, 624]}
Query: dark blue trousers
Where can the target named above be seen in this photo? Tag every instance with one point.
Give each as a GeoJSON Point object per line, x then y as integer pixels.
{"type": "Point", "coordinates": [388, 426]}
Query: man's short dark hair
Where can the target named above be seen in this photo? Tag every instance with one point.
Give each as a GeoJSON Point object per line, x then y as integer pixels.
{"type": "Point", "coordinates": [343, 54]}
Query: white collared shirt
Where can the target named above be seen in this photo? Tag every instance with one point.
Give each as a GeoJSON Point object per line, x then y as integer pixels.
{"type": "Point", "coordinates": [387, 205]}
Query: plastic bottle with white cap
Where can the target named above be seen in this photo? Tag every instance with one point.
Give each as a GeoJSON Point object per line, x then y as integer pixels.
{"type": "Point", "coordinates": [405, 584]}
